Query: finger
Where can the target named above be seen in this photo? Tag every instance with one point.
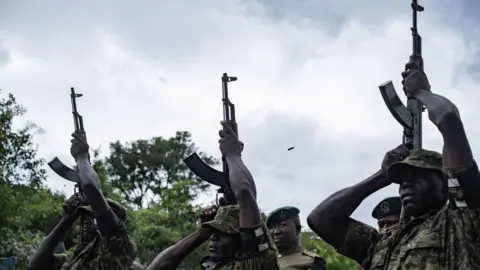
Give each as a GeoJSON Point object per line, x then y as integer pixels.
{"type": "Point", "coordinates": [73, 141]}
{"type": "Point", "coordinates": [221, 133]}
{"type": "Point", "coordinates": [77, 136]}
{"type": "Point", "coordinates": [412, 66]}
{"type": "Point", "coordinates": [227, 128]}
{"type": "Point", "coordinates": [405, 74]}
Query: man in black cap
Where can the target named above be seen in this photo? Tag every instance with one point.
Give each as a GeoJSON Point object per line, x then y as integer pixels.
{"type": "Point", "coordinates": [387, 212]}
{"type": "Point", "coordinates": [285, 228]}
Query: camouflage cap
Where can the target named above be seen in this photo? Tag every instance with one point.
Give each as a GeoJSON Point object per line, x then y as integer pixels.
{"type": "Point", "coordinates": [119, 210]}
{"type": "Point", "coordinates": [226, 220]}
{"type": "Point", "coordinates": [420, 158]}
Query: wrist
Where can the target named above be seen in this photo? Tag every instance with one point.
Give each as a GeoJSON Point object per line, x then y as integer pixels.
{"type": "Point", "coordinates": [81, 157]}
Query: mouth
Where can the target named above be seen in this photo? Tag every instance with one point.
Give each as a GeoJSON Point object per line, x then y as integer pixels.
{"type": "Point", "coordinates": [407, 197]}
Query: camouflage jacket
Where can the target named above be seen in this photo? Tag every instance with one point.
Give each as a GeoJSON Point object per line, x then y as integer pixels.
{"type": "Point", "coordinates": [260, 260]}
{"type": "Point", "coordinates": [113, 253]}
{"type": "Point", "coordinates": [447, 239]}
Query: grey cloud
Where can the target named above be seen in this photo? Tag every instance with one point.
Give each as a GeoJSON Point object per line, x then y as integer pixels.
{"type": "Point", "coordinates": [4, 54]}
{"type": "Point", "coordinates": [319, 165]}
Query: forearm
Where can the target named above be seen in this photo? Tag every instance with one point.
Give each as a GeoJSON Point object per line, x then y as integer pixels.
{"type": "Point", "coordinates": [240, 177]}
{"type": "Point", "coordinates": [331, 217]}
{"type": "Point", "coordinates": [243, 185]}
{"type": "Point", "coordinates": [91, 187]}
{"type": "Point", "coordinates": [47, 247]}
{"type": "Point", "coordinates": [457, 153]}
{"type": "Point", "coordinates": [171, 257]}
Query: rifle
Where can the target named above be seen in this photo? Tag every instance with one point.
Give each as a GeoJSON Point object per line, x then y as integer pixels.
{"type": "Point", "coordinates": [57, 166]}
{"type": "Point", "coordinates": [410, 116]}
{"type": "Point", "coordinates": [207, 173]}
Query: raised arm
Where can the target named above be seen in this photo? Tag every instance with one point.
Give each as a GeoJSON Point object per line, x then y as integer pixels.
{"type": "Point", "coordinates": [90, 182]}
{"type": "Point", "coordinates": [241, 180]}
{"type": "Point", "coordinates": [457, 154]}
{"type": "Point", "coordinates": [44, 254]}
{"type": "Point", "coordinates": [331, 218]}
{"type": "Point", "coordinates": [173, 256]}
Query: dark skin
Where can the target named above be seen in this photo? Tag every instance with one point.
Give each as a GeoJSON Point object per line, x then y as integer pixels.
{"type": "Point", "coordinates": [330, 219]}
{"type": "Point", "coordinates": [446, 117]}
{"type": "Point", "coordinates": [241, 180]}
{"type": "Point", "coordinates": [286, 235]}
{"type": "Point", "coordinates": [89, 180]}
{"type": "Point", "coordinates": [222, 247]}
{"type": "Point", "coordinates": [44, 254]}
{"type": "Point", "coordinates": [421, 190]}
{"type": "Point", "coordinates": [387, 222]}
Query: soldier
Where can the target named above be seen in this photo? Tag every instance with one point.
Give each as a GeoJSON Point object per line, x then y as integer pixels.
{"type": "Point", "coordinates": [238, 239]}
{"type": "Point", "coordinates": [284, 225]}
{"type": "Point", "coordinates": [430, 235]}
{"type": "Point", "coordinates": [104, 242]}
{"type": "Point", "coordinates": [387, 212]}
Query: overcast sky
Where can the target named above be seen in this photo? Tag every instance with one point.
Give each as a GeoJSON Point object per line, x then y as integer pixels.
{"type": "Point", "coordinates": [308, 77]}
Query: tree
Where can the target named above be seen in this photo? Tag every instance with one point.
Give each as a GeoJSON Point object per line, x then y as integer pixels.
{"type": "Point", "coordinates": [18, 161]}
{"type": "Point", "coordinates": [334, 260]}
{"type": "Point", "coordinates": [142, 170]}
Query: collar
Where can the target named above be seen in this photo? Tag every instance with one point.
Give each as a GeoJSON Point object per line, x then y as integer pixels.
{"type": "Point", "coordinates": [293, 250]}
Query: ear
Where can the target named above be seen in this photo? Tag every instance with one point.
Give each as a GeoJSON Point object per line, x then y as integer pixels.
{"type": "Point", "coordinates": [299, 228]}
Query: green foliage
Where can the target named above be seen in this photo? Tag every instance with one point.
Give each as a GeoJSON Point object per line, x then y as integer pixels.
{"type": "Point", "coordinates": [18, 161]}
{"type": "Point", "coordinates": [142, 170]}
{"type": "Point", "coordinates": [141, 173]}
{"type": "Point", "coordinates": [334, 260]}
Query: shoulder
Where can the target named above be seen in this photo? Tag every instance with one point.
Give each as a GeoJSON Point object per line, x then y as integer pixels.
{"type": "Point", "coordinates": [310, 254]}
{"type": "Point", "coordinates": [359, 242]}
{"type": "Point", "coordinates": [266, 259]}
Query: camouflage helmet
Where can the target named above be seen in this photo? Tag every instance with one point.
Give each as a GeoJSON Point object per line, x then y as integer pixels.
{"type": "Point", "coordinates": [419, 158]}
{"type": "Point", "coordinates": [226, 220]}
{"type": "Point", "coordinates": [119, 210]}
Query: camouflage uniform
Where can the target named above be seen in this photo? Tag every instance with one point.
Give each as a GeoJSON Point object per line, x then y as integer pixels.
{"type": "Point", "coordinates": [440, 239]}
{"type": "Point", "coordinates": [97, 251]}
{"type": "Point", "coordinates": [257, 253]}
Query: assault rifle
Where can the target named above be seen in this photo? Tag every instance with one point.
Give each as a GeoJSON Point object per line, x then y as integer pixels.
{"type": "Point", "coordinates": [57, 166]}
{"type": "Point", "coordinates": [207, 173]}
{"type": "Point", "coordinates": [410, 116]}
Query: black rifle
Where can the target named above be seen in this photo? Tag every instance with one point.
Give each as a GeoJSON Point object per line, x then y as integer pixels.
{"type": "Point", "coordinates": [410, 116]}
{"type": "Point", "coordinates": [207, 173]}
{"type": "Point", "coordinates": [57, 166]}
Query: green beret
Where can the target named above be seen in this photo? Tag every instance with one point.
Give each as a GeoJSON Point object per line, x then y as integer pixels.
{"type": "Point", "coordinates": [282, 214]}
{"type": "Point", "coordinates": [387, 207]}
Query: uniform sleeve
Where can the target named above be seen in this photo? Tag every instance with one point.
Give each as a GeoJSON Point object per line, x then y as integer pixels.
{"type": "Point", "coordinates": [257, 251]}
{"type": "Point", "coordinates": [117, 246]}
{"type": "Point", "coordinates": [469, 180]}
{"type": "Point", "coordinates": [60, 259]}
{"type": "Point", "coordinates": [359, 243]}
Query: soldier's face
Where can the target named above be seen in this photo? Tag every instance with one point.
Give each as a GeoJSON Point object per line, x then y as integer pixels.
{"type": "Point", "coordinates": [388, 222]}
{"type": "Point", "coordinates": [223, 246]}
{"type": "Point", "coordinates": [284, 234]}
{"type": "Point", "coordinates": [421, 191]}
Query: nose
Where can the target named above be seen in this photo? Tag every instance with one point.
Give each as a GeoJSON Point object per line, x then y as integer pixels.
{"type": "Point", "coordinates": [406, 185]}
